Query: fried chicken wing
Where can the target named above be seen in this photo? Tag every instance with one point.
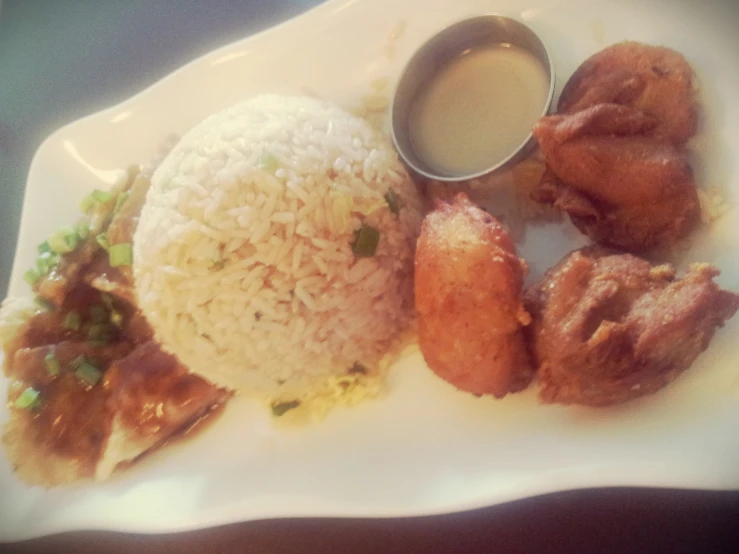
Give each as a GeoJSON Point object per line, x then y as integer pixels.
{"type": "Point", "coordinates": [614, 153]}
{"type": "Point", "coordinates": [619, 186]}
{"type": "Point", "coordinates": [652, 79]}
{"type": "Point", "coordinates": [610, 327]}
{"type": "Point", "coordinates": [468, 285]}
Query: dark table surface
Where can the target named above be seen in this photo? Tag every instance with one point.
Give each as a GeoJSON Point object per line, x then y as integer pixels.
{"type": "Point", "coordinates": [60, 60]}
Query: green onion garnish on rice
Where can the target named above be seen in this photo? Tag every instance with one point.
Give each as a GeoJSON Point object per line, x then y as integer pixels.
{"type": "Point", "coordinates": [393, 202]}
{"type": "Point", "coordinates": [63, 240]}
{"type": "Point", "coordinates": [28, 399]}
{"type": "Point", "coordinates": [101, 196]}
{"type": "Point", "coordinates": [280, 408]}
{"type": "Point", "coordinates": [366, 240]}
{"type": "Point", "coordinates": [53, 367]}
{"type": "Point", "coordinates": [88, 373]}
{"type": "Point", "coordinates": [267, 162]}
{"type": "Point", "coordinates": [72, 321]}
{"type": "Point", "coordinates": [120, 254]}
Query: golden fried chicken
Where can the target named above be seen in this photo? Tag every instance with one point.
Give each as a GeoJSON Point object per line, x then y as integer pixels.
{"type": "Point", "coordinates": [652, 79]}
{"type": "Point", "coordinates": [610, 327]}
{"type": "Point", "coordinates": [619, 185]}
{"type": "Point", "coordinates": [614, 154]}
{"type": "Point", "coordinates": [468, 285]}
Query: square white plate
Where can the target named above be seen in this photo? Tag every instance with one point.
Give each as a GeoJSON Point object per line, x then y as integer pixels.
{"type": "Point", "coordinates": [425, 448]}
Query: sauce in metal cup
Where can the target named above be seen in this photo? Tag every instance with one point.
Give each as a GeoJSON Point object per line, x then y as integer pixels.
{"type": "Point", "coordinates": [467, 100]}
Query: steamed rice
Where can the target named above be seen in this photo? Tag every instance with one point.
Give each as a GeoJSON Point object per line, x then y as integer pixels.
{"type": "Point", "coordinates": [243, 258]}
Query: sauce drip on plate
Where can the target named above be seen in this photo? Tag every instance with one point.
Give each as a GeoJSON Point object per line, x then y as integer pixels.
{"type": "Point", "coordinates": [478, 109]}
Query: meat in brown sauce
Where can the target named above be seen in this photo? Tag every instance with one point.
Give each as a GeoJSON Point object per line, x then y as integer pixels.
{"type": "Point", "coordinates": [85, 426]}
{"type": "Point", "coordinates": [610, 327]}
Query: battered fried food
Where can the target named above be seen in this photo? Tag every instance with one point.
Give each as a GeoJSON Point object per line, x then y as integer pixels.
{"type": "Point", "coordinates": [619, 185]}
{"type": "Point", "coordinates": [615, 156]}
{"type": "Point", "coordinates": [652, 79]}
{"type": "Point", "coordinates": [610, 327]}
{"type": "Point", "coordinates": [468, 285]}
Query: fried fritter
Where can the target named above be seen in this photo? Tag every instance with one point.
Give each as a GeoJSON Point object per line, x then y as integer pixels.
{"type": "Point", "coordinates": [610, 327]}
{"type": "Point", "coordinates": [468, 285]}
{"type": "Point", "coordinates": [619, 185]}
{"type": "Point", "coordinates": [652, 79]}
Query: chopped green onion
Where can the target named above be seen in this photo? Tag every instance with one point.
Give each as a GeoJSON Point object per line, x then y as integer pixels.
{"type": "Point", "coordinates": [279, 408]}
{"type": "Point", "coordinates": [107, 300]}
{"type": "Point", "coordinates": [87, 203]}
{"type": "Point", "coordinates": [83, 230]}
{"type": "Point", "coordinates": [121, 199]}
{"type": "Point", "coordinates": [116, 318]}
{"type": "Point", "coordinates": [366, 240]}
{"type": "Point", "coordinates": [99, 332]}
{"type": "Point", "coordinates": [52, 364]}
{"type": "Point", "coordinates": [44, 247]}
{"type": "Point", "coordinates": [31, 277]}
{"type": "Point", "coordinates": [101, 196]}
{"type": "Point", "coordinates": [393, 202]}
{"type": "Point", "coordinates": [120, 254]}
{"type": "Point", "coordinates": [28, 399]}
{"type": "Point", "coordinates": [72, 321]}
{"type": "Point", "coordinates": [98, 313]}
{"type": "Point", "coordinates": [45, 262]}
{"type": "Point", "coordinates": [77, 362]}
{"type": "Point", "coordinates": [44, 304]}
{"type": "Point", "coordinates": [357, 369]}
{"type": "Point", "coordinates": [267, 162]}
{"type": "Point", "coordinates": [102, 240]}
{"type": "Point", "coordinates": [88, 373]}
{"type": "Point", "coordinates": [63, 240]}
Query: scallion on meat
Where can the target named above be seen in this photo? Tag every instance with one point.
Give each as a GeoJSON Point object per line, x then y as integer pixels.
{"type": "Point", "coordinates": [102, 240]}
{"type": "Point", "coordinates": [100, 333]}
{"type": "Point", "coordinates": [98, 313]}
{"type": "Point", "coordinates": [63, 240]}
{"type": "Point", "coordinates": [45, 262]}
{"type": "Point", "coordinates": [101, 196]}
{"type": "Point", "coordinates": [120, 254]}
{"type": "Point", "coordinates": [44, 304]}
{"type": "Point", "coordinates": [83, 230]}
{"type": "Point", "coordinates": [72, 321]}
{"type": "Point", "coordinates": [88, 373]}
{"type": "Point", "coordinates": [31, 277]}
{"type": "Point", "coordinates": [53, 367]}
{"type": "Point", "coordinates": [28, 399]}
{"type": "Point", "coordinates": [366, 239]}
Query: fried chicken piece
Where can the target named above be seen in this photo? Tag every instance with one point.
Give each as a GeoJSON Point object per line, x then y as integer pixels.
{"type": "Point", "coordinates": [468, 285]}
{"type": "Point", "coordinates": [652, 79]}
{"type": "Point", "coordinates": [610, 327]}
{"type": "Point", "coordinates": [619, 185]}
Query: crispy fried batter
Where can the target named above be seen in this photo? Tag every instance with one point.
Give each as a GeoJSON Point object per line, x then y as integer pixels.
{"type": "Point", "coordinates": [610, 327]}
{"type": "Point", "coordinates": [468, 285]}
{"type": "Point", "coordinates": [620, 186]}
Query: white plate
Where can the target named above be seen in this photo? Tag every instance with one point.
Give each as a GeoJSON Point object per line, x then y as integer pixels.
{"type": "Point", "coordinates": [425, 448]}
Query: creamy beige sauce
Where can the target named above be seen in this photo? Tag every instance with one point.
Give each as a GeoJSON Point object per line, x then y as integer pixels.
{"type": "Point", "coordinates": [478, 109]}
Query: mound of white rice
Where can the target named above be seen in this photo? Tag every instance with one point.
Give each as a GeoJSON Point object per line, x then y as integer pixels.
{"type": "Point", "coordinates": [243, 258]}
